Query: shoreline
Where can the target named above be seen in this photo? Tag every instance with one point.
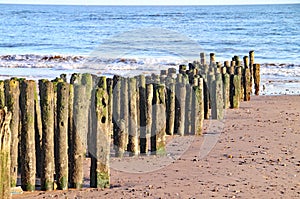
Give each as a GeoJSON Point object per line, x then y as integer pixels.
{"type": "Point", "coordinates": [256, 156]}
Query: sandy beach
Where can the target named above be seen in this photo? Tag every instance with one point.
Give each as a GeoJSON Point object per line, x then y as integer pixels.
{"type": "Point", "coordinates": [256, 156]}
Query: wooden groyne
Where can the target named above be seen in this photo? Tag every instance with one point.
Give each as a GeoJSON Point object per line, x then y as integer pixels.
{"type": "Point", "coordinates": [56, 126]}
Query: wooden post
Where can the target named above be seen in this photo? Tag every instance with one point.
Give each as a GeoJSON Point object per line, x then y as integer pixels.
{"type": "Point", "coordinates": [170, 106]}
{"type": "Point", "coordinates": [109, 84]}
{"type": "Point", "coordinates": [239, 72]}
{"type": "Point", "coordinates": [182, 69]}
{"type": "Point", "coordinates": [79, 131]}
{"type": "Point", "coordinates": [63, 90]}
{"type": "Point", "coordinates": [202, 58]}
{"type": "Point", "coordinates": [235, 84]}
{"type": "Point", "coordinates": [28, 160]}
{"type": "Point", "coordinates": [188, 109]}
{"type": "Point", "coordinates": [206, 97]}
{"type": "Point", "coordinates": [118, 135]}
{"type": "Point", "coordinates": [5, 144]}
{"type": "Point", "coordinates": [12, 95]}
{"type": "Point", "coordinates": [70, 134]}
{"type": "Point", "coordinates": [217, 98]}
{"type": "Point", "coordinates": [133, 142]}
{"type": "Point", "coordinates": [100, 161]}
{"type": "Point", "coordinates": [251, 62]}
{"type": "Point", "coordinates": [2, 94]}
{"type": "Point", "coordinates": [226, 88]}
{"type": "Point", "coordinates": [247, 84]}
{"type": "Point", "coordinates": [212, 57]}
{"type": "Point", "coordinates": [180, 108]}
{"type": "Point", "coordinates": [158, 139]}
{"type": "Point", "coordinates": [197, 116]}
{"type": "Point", "coordinates": [143, 116]}
{"type": "Point", "coordinates": [38, 132]}
{"type": "Point", "coordinates": [256, 73]}
{"type": "Point", "coordinates": [124, 116]}
{"type": "Point", "coordinates": [47, 109]}
{"type": "Point", "coordinates": [149, 98]}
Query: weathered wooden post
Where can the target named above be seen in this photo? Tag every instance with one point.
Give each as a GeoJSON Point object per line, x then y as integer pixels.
{"type": "Point", "coordinates": [124, 115]}
{"type": "Point", "coordinates": [188, 109]}
{"type": "Point", "coordinates": [197, 113]}
{"type": "Point", "coordinates": [182, 69]}
{"type": "Point", "coordinates": [2, 94]}
{"type": "Point", "coordinates": [251, 62]}
{"type": "Point", "coordinates": [118, 134]}
{"type": "Point", "coordinates": [38, 132]}
{"type": "Point", "coordinates": [143, 115]}
{"type": "Point", "coordinates": [239, 72]}
{"type": "Point", "coordinates": [226, 87]}
{"type": "Point", "coordinates": [149, 98]}
{"type": "Point", "coordinates": [247, 79]}
{"type": "Point", "coordinates": [12, 95]}
{"type": "Point", "coordinates": [78, 137]}
{"type": "Point", "coordinates": [100, 160]}
{"type": "Point", "coordinates": [5, 144]}
{"type": "Point", "coordinates": [217, 98]}
{"type": "Point", "coordinates": [109, 84]}
{"type": "Point", "coordinates": [206, 97]}
{"type": "Point", "coordinates": [256, 73]}
{"type": "Point", "coordinates": [63, 90]}
{"type": "Point", "coordinates": [170, 106]}
{"type": "Point", "coordinates": [202, 58]}
{"type": "Point", "coordinates": [28, 160]}
{"type": "Point", "coordinates": [47, 109]}
{"type": "Point", "coordinates": [212, 61]}
{"type": "Point", "coordinates": [180, 108]}
{"type": "Point", "coordinates": [158, 139]}
{"type": "Point", "coordinates": [235, 84]}
{"type": "Point", "coordinates": [70, 133]}
{"type": "Point", "coordinates": [133, 142]}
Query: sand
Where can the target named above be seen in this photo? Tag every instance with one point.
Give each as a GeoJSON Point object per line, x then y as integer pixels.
{"type": "Point", "coordinates": [256, 155]}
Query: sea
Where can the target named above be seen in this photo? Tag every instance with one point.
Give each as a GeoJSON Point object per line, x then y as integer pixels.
{"type": "Point", "coordinates": [44, 41]}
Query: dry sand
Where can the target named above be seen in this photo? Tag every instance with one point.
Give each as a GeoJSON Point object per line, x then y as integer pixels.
{"type": "Point", "coordinates": [257, 155]}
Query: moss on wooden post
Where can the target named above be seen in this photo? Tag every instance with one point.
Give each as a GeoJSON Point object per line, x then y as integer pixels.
{"type": "Point", "coordinates": [217, 98]}
{"type": "Point", "coordinates": [5, 144]}
{"type": "Point", "coordinates": [28, 160]}
{"type": "Point", "coordinates": [100, 160]}
{"type": "Point", "coordinates": [170, 106]}
{"type": "Point", "coordinates": [256, 74]}
{"type": "Point", "coordinates": [12, 95]}
{"type": "Point", "coordinates": [235, 85]}
{"type": "Point", "coordinates": [197, 117]}
{"type": "Point", "coordinates": [247, 84]}
{"type": "Point", "coordinates": [62, 133]}
{"type": "Point", "coordinates": [158, 140]}
{"type": "Point", "coordinates": [226, 87]}
{"type": "Point", "coordinates": [47, 107]}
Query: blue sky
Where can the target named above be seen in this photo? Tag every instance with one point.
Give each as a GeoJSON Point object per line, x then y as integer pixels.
{"type": "Point", "coordinates": [151, 2]}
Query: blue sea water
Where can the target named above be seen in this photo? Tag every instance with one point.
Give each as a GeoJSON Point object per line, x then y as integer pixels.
{"type": "Point", "coordinates": [150, 35]}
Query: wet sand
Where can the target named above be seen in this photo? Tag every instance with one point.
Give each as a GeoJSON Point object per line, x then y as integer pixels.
{"type": "Point", "coordinates": [257, 155]}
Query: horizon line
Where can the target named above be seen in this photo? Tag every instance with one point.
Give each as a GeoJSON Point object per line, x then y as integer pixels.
{"type": "Point", "coordinates": [45, 4]}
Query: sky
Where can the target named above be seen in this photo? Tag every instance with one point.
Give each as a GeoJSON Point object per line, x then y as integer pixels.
{"type": "Point", "coordinates": [151, 2]}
